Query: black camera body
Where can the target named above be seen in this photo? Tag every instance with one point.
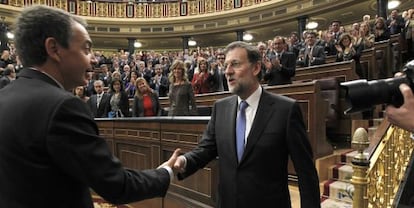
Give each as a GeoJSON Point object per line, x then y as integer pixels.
{"type": "Point", "coordinates": [363, 95]}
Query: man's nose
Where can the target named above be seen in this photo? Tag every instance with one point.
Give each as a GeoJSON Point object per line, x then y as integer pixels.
{"type": "Point", "coordinates": [94, 61]}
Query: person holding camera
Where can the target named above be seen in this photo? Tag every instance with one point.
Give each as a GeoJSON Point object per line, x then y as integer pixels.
{"type": "Point", "coordinates": [403, 116]}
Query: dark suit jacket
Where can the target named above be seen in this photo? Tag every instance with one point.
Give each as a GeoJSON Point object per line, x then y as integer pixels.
{"type": "Point", "coordinates": [123, 104]}
{"type": "Point", "coordinates": [282, 75]}
{"type": "Point", "coordinates": [164, 85]}
{"type": "Point", "coordinates": [318, 53]}
{"type": "Point", "coordinates": [260, 179]}
{"type": "Point", "coordinates": [138, 106]}
{"type": "Point", "coordinates": [55, 154]}
{"type": "Point", "coordinates": [4, 81]}
{"type": "Point", "coordinates": [98, 112]}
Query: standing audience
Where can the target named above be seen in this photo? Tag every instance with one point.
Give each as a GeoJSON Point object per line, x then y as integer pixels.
{"type": "Point", "coordinates": [159, 82]}
{"type": "Point", "coordinates": [202, 78]}
{"type": "Point", "coordinates": [79, 91]}
{"type": "Point", "coordinates": [281, 68]}
{"type": "Point", "coordinates": [181, 95]}
{"type": "Point", "coordinates": [146, 101]}
{"type": "Point", "coordinates": [118, 105]}
{"type": "Point", "coordinates": [311, 54]}
{"type": "Point", "coordinates": [98, 102]}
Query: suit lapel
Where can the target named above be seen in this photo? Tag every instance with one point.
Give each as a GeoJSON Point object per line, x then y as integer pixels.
{"type": "Point", "coordinates": [263, 114]}
{"type": "Point", "coordinates": [228, 123]}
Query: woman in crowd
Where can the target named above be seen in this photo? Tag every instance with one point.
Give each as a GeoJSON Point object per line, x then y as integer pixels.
{"type": "Point", "coordinates": [118, 105]}
{"type": "Point", "coordinates": [346, 50]}
{"type": "Point", "coordinates": [79, 92]}
{"type": "Point", "coordinates": [146, 101]}
{"type": "Point", "coordinates": [408, 29]}
{"type": "Point", "coordinates": [130, 88]}
{"type": "Point", "coordinates": [365, 39]}
{"type": "Point", "coordinates": [381, 30]}
{"type": "Point", "coordinates": [181, 95]}
{"type": "Point", "coordinates": [116, 75]}
{"type": "Point", "coordinates": [201, 79]}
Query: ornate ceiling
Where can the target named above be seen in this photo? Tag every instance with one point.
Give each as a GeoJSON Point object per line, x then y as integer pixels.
{"type": "Point", "coordinates": [263, 21]}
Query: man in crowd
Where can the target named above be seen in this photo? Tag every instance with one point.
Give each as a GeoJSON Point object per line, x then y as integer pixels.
{"type": "Point", "coordinates": [98, 102]}
{"type": "Point", "coordinates": [311, 54]}
{"type": "Point", "coordinates": [281, 68]}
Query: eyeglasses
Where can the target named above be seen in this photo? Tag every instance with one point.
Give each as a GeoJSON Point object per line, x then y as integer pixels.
{"type": "Point", "coordinates": [220, 58]}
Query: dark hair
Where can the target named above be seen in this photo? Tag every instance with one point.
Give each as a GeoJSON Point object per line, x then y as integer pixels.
{"type": "Point", "coordinates": [112, 85]}
{"type": "Point", "coordinates": [336, 21]}
{"type": "Point", "coordinates": [280, 37]}
{"type": "Point", "coordinates": [37, 23]}
{"type": "Point", "coordinates": [253, 54]}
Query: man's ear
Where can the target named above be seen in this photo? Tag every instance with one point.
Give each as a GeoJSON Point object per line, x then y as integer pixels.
{"type": "Point", "coordinates": [52, 49]}
{"type": "Point", "coordinates": [257, 68]}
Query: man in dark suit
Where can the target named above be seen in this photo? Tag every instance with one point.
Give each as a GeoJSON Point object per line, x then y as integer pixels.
{"type": "Point", "coordinates": [311, 54]}
{"type": "Point", "coordinates": [395, 23]}
{"type": "Point", "coordinates": [159, 82]}
{"type": "Point", "coordinates": [253, 163]}
{"type": "Point", "coordinates": [55, 156]}
{"type": "Point", "coordinates": [97, 102]}
{"type": "Point", "coordinates": [281, 68]}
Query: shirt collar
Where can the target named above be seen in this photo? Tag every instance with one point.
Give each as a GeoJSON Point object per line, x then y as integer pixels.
{"type": "Point", "coordinates": [253, 99]}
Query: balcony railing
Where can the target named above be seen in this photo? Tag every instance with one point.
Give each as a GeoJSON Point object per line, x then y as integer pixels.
{"type": "Point", "coordinates": [140, 8]}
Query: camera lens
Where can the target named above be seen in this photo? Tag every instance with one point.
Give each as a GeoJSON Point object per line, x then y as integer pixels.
{"type": "Point", "coordinates": [363, 95]}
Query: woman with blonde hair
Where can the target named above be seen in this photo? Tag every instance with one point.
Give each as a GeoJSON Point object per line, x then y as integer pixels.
{"type": "Point", "coordinates": [145, 101]}
{"type": "Point", "coordinates": [381, 30]}
{"type": "Point", "coordinates": [181, 95]}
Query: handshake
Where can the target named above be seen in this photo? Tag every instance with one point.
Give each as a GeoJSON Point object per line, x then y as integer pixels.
{"type": "Point", "coordinates": [176, 162]}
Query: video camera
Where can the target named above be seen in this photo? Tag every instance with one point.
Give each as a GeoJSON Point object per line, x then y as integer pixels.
{"type": "Point", "coordinates": [364, 95]}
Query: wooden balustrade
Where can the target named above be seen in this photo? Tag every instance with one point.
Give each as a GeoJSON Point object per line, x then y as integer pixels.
{"type": "Point", "coordinates": [344, 71]}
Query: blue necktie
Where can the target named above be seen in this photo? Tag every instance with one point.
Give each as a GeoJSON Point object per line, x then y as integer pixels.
{"type": "Point", "coordinates": [241, 129]}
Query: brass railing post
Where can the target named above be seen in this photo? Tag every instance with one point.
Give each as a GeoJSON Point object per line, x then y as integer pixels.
{"type": "Point", "coordinates": [360, 165]}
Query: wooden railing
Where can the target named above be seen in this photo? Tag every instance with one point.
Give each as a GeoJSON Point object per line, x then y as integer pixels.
{"type": "Point", "coordinates": [144, 143]}
{"type": "Point", "coordinates": [377, 177]}
{"type": "Point", "coordinates": [344, 71]}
